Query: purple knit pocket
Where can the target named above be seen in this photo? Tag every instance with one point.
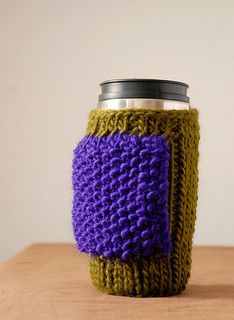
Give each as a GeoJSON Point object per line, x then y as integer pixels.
{"type": "Point", "coordinates": [120, 204]}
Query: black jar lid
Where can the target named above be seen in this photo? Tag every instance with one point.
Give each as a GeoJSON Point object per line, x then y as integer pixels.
{"type": "Point", "coordinates": [143, 89]}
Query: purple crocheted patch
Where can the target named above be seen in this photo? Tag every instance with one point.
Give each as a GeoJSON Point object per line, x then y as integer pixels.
{"type": "Point", "coordinates": [120, 185]}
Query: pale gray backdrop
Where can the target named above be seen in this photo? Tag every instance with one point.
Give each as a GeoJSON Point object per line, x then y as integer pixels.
{"type": "Point", "coordinates": [53, 56]}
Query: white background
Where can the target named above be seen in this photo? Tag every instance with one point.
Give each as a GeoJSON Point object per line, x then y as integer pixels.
{"type": "Point", "coordinates": [53, 56]}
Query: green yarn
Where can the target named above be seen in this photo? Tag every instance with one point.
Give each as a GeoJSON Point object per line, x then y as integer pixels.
{"type": "Point", "coordinates": [157, 275]}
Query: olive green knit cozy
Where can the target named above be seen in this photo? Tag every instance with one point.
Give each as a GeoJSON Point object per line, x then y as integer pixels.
{"type": "Point", "coordinates": [156, 275]}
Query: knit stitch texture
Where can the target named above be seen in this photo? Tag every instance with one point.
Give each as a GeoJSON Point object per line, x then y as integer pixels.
{"type": "Point", "coordinates": [120, 206]}
{"type": "Point", "coordinates": [157, 274]}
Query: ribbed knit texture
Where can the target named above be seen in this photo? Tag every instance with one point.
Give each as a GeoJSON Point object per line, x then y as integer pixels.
{"type": "Point", "coordinates": [157, 274]}
{"type": "Point", "coordinates": [120, 206]}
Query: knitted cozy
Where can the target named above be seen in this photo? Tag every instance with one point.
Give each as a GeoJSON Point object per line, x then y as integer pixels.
{"type": "Point", "coordinates": [135, 192]}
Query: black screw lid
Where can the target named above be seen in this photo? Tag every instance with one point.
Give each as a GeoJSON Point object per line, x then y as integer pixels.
{"type": "Point", "coordinates": [143, 89]}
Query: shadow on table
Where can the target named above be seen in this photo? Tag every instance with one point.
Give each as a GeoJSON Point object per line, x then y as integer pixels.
{"type": "Point", "coordinates": [209, 291]}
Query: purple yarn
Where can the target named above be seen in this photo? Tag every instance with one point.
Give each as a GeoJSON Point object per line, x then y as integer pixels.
{"type": "Point", "coordinates": [120, 185]}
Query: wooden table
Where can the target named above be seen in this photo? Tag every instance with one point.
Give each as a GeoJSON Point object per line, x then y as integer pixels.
{"type": "Point", "coordinates": [51, 281]}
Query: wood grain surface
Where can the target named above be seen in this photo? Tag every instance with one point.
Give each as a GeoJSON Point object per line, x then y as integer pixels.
{"type": "Point", "coordinates": [51, 281]}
